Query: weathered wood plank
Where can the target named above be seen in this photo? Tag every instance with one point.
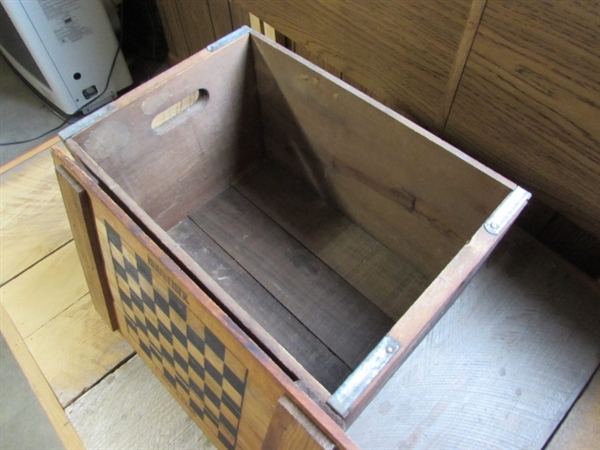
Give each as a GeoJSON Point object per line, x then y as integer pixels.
{"type": "Point", "coordinates": [336, 313]}
{"type": "Point", "coordinates": [45, 290]}
{"type": "Point", "coordinates": [387, 280]}
{"type": "Point", "coordinates": [502, 367]}
{"type": "Point", "coordinates": [76, 349]}
{"type": "Point", "coordinates": [220, 15]}
{"type": "Point", "coordinates": [81, 219]}
{"type": "Point", "coordinates": [581, 428]}
{"type": "Point", "coordinates": [130, 408]}
{"type": "Point", "coordinates": [290, 428]}
{"type": "Point", "coordinates": [402, 51]}
{"type": "Point", "coordinates": [194, 18]}
{"type": "Point", "coordinates": [53, 409]}
{"type": "Point", "coordinates": [33, 222]}
{"type": "Point", "coordinates": [327, 368]}
{"type": "Point", "coordinates": [528, 103]}
{"type": "Point", "coordinates": [174, 34]}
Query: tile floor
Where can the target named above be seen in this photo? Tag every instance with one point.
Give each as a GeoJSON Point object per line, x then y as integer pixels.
{"type": "Point", "coordinates": [23, 423]}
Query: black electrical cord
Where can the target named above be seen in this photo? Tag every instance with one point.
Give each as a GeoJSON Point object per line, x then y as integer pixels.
{"type": "Point", "coordinates": [72, 116]}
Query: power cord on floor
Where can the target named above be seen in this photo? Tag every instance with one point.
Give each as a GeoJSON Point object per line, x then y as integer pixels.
{"type": "Point", "coordinates": [72, 116]}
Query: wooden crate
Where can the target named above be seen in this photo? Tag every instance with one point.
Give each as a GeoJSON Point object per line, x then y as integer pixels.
{"type": "Point", "coordinates": [272, 242]}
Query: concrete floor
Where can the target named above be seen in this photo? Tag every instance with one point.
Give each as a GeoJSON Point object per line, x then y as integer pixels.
{"type": "Point", "coordinates": [23, 423]}
{"type": "Point", "coordinates": [22, 115]}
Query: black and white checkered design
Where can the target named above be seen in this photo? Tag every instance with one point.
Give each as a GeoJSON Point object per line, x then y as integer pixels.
{"type": "Point", "coordinates": [193, 360]}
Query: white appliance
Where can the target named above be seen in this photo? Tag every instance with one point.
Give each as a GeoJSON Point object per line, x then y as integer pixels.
{"type": "Point", "coordinates": [63, 49]}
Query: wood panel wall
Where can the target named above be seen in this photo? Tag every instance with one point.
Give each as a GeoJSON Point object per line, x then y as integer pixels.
{"type": "Point", "coordinates": [514, 84]}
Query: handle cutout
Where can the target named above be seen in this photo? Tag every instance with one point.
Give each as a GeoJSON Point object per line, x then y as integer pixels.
{"type": "Point", "coordinates": [175, 110]}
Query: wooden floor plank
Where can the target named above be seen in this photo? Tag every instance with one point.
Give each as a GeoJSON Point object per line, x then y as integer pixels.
{"type": "Point", "coordinates": [311, 353]}
{"type": "Point", "coordinates": [131, 409]}
{"type": "Point", "coordinates": [581, 428]}
{"type": "Point", "coordinates": [45, 290]}
{"type": "Point", "coordinates": [33, 222]}
{"type": "Point", "coordinates": [502, 367]}
{"type": "Point", "coordinates": [336, 313]}
{"type": "Point", "coordinates": [53, 409]}
{"type": "Point", "coordinates": [76, 349]}
{"type": "Point", "coordinates": [389, 281]}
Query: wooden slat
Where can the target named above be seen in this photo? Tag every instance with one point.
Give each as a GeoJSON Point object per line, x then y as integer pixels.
{"type": "Point", "coordinates": [194, 19]}
{"type": "Point", "coordinates": [174, 32]}
{"type": "Point", "coordinates": [303, 51]}
{"type": "Point", "coordinates": [373, 165]}
{"type": "Point", "coordinates": [385, 279]}
{"type": "Point", "coordinates": [460, 60]}
{"type": "Point", "coordinates": [103, 416]}
{"type": "Point", "coordinates": [255, 23]}
{"type": "Point", "coordinates": [239, 16]}
{"type": "Point", "coordinates": [581, 428]}
{"type": "Point", "coordinates": [30, 154]}
{"type": "Point", "coordinates": [57, 279]}
{"type": "Point", "coordinates": [529, 101]}
{"type": "Point", "coordinates": [327, 368]}
{"type": "Point", "coordinates": [402, 51]}
{"type": "Point", "coordinates": [290, 428]}
{"type": "Point", "coordinates": [33, 221]}
{"type": "Point", "coordinates": [53, 409]}
{"type": "Point", "coordinates": [81, 219]}
{"type": "Point", "coordinates": [76, 349]}
{"type": "Point", "coordinates": [220, 15]}
{"type": "Point", "coordinates": [336, 313]}
{"type": "Point", "coordinates": [504, 364]}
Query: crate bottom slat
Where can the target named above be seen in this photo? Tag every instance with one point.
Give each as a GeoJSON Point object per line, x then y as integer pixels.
{"type": "Point", "coordinates": [301, 269]}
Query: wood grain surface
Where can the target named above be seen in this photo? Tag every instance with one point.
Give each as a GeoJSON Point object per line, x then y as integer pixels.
{"type": "Point", "coordinates": [388, 281]}
{"type": "Point", "coordinates": [42, 390]}
{"type": "Point", "coordinates": [581, 428]}
{"type": "Point", "coordinates": [265, 309]}
{"type": "Point", "coordinates": [266, 382]}
{"type": "Point", "coordinates": [195, 154]}
{"type": "Point", "coordinates": [80, 214]}
{"type": "Point", "coordinates": [348, 323]}
{"type": "Point", "coordinates": [290, 428]}
{"type": "Point", "coordinates": [417, 195]}
{"type": "Point", "coordinates": [76, 349]}
{"type": "Point", "coordinates": [32, 216]}
{"type": "Point", "coordinates": [402, 51]}
{"type": "Point", "coordinates": [502, 367]}
{"type": "Point", "coordinates": [528, 103]}
{"type": "Point", "coordinates": [57, 279]}
{"type": "Point", "coordinates": [131, 409]}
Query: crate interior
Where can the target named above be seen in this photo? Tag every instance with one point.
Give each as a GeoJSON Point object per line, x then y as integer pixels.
{"type": "Point", "coordinates": [320, 214]}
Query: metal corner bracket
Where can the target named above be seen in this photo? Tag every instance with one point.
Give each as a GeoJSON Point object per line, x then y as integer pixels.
{"type": "Point", "coordinates": [229, 38]}
{"type": "Point", "coordinates": [510, 206]}
{"type": "Point", "coordinates": [362, 377]}
{"type": "Point", "coordinates": [71, 130]}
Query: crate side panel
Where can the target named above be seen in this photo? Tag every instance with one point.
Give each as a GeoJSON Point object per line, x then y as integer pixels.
{"type": "Point", "coordinates": [193, 357]}
{"type": "Point", "coordinates": [416, 194]}
{"type": "Point", "coordinates": [177, 165]}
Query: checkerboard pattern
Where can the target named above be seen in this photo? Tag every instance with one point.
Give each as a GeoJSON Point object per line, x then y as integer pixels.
{"type": "Point", "coordinates": [194, 362]}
